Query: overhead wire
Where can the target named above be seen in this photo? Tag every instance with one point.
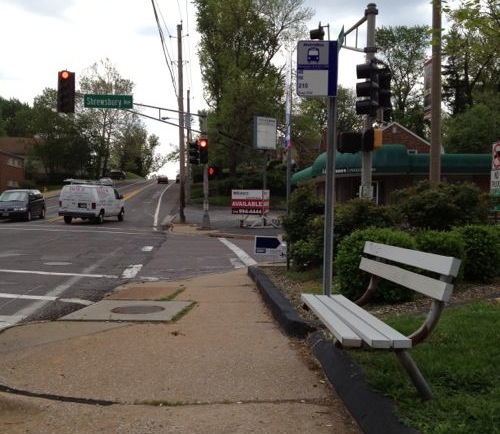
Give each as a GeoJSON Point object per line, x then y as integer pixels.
{"type": "Point", "coordinates": [164, 47]}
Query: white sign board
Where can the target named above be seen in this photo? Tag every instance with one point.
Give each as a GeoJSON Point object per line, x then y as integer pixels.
{"type": "Point", "coordinates": [264, 133]}
{"type": "Point", "coordinates": [317, 68]}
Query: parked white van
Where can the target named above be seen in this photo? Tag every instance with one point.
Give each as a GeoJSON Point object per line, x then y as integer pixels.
{"type": "Point", "coordinates": [90, 201]}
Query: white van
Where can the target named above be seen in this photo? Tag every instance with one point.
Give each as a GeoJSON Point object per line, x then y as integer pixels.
{"type": "Point", "coordinates": [90, 201]}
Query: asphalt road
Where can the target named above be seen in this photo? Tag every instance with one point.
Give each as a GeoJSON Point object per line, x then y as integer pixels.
{"type": "Point", "coordinates": [49, 268]}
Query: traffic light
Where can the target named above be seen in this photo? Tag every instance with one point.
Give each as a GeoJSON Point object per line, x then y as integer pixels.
{"type": "Point", "coordinates": [384, 92]}
{"type": "Point", "coordinates": [349, 142]}
{"type": "Point", "coordinates": [367, 90]}
{"type": "Point", "coordinates": [65, 92]}
{"type": "Point", "coordinates": [213, 172]}
{"type": "Point", "coordinates": [203, 146]}
{"type": "Point", "coordinates": [194, 153]}
{"type": "Point", "coordinates": [318, 33]}
{"type": "Point", "coordinates": [371, 139]}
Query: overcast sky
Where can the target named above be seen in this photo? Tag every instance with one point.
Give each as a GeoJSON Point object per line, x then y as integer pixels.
{"type": "Point", "coordinates": [41, 37]}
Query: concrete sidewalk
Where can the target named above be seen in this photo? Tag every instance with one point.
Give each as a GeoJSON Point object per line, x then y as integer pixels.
{"type": "Point", "coordinates": [224, 366]}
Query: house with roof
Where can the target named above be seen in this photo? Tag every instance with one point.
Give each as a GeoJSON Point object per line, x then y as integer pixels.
{"type": "Point", "coordinates": [402, 162]}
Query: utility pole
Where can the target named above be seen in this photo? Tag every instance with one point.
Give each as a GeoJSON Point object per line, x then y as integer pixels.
{"type": "Point", "coordinates": [366, 189]}
{"type": "Point", "coordinates": [435, 156]}
{"type": "Point", "coordinates": [182, 169]}
{"type": "Point", "coordinates": [188, 122]}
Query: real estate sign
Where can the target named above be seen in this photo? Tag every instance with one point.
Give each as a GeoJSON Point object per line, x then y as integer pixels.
{"type": "Point", "coordinates": [249, 202]}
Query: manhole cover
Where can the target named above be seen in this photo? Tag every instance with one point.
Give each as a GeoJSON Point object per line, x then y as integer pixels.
{"type": "Point", "coordinates": [131, 310]}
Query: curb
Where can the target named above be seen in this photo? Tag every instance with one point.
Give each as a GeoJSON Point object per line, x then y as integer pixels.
{"type": "Point", "coordinates": [374, 412]}
{"type": "Point", "coordinates": [288, 318]}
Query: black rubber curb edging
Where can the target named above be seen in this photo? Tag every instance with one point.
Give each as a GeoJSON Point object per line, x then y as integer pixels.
{"type": "Point", "coordinates": [289, 319]}
{"type": "Point", "coordinates": [374, 412]}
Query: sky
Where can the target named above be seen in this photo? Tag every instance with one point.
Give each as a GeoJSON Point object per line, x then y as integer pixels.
{"type": "Point", "coordinates": [41, 37]}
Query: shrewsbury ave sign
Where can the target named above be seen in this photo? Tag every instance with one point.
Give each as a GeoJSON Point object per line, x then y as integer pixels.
{"type": "Point", "coordinates": [108, 101]}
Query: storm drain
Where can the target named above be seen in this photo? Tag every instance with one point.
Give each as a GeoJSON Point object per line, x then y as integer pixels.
{"type": "Point", "coordinates": [137, 310]}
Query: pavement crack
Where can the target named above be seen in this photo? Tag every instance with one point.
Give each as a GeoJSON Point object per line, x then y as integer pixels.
{"type": "Point", "coordinates": [52, 397]}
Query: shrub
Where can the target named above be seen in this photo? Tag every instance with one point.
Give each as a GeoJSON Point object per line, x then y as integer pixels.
{"type": "Point", "coordinates": [303, 207]}
{"type": "Point", "coordinates": [443, 243]}
{"type": "Point", "coordinates": [351, 281]}
{"type": "Point", "coordinates": [360, 214]}
{"type": "Point", "coordinates": [443, 206]}
{"type": "Point", "coordinates": [482, 252]}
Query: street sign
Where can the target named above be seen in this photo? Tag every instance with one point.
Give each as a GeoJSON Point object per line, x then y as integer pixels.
{"type": "Point", "coordinates": [317, 68]}
{"type": "Point", "coordinates": [254, 202]}
{"type": "Point", "coordinates": [267, 245]}
{"type": "Point", "coordinates": [495, 162]}
{"type": "Point", "coordinates": [108, 101]}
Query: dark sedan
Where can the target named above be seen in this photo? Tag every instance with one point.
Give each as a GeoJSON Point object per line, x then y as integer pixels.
{"type": "Point", "coordinates": [21, 204]}
{"type": "Point", "coordinates": [162, 179]}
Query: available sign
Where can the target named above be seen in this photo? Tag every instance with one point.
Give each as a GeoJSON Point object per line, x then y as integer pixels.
{"type": "Point", "coordinates": [107, 101]}
{"type": "Point", "coordinates": [254, 202]}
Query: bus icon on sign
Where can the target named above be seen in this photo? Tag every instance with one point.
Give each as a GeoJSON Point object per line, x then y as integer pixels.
{"type": "Point", "coordinates": [313, 55]}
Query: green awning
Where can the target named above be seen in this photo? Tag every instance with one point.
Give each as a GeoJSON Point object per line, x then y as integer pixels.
{"type": "Point", "coordinates": [302, 176]}
{"type": "Point", "coordinates": [391, 159]}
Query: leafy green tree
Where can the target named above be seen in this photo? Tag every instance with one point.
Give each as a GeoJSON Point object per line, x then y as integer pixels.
{"type": "Point", "coordinates": [310, 120]}
{"type": "Point", "coordinates": [404, 49]}
{"type": "Point", "coordinates": [472, 50]}
{"type": "Point", "coordinates": [474, 130]}
{"type": "Point", "coordinates": [104, 124]}
{"type": "Point", "coordinates": [239, 41]}
{"type": "Point", "coordinates": [14, 118]}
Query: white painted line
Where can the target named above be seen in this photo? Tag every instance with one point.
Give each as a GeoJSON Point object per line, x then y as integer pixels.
{"type": "Point", "coordinates": [131, 271]}
{"type": "Point", "coordinates": [242, 256]}
{"type": "Point", "coordinates": [147, 248]}
{"type": "Point", "coordinates": [51, 273]}
{"type": "Point", "coordinates": [157, 211]}
{"type": "Point", "coordinates": [45, 297]}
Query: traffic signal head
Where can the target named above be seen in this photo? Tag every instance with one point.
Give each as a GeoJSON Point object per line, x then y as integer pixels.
{"type": "Point", "coordinates": [367, 91]}
{"type": "Point", "coordinates": [384, 92]}
{"type": "Point", "coordinates": [318, 33]}
{"type": "Point", "coordinates": [203, 148]}
{"type": "Point", "coordinates": [66, 92]}
{"type": "Point", "coordinates": [349, 142]}
{"type": "Point", "coordinates": [194, 153]}
{"type": "Point", "coordinates": [371, 139]}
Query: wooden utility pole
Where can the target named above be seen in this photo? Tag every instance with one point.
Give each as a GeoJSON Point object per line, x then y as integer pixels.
{"type": "Point", "coordinates": [180, 98]}
{"type": "Point", "coordinates": [435, 155]}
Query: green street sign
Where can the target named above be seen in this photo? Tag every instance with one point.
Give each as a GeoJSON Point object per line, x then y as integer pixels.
{"type": "Point", "coordinates": [107, 101]}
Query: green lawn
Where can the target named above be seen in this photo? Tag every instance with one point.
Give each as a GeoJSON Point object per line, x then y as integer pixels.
{"type": "Point", "coordinates": [461, 362]}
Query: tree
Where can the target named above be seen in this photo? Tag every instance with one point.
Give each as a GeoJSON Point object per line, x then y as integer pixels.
{"type": "Point", "coordinates": [310, 121]}
{"type": "Point", "coordinates": [104, 124]}
{"type": "Point", "coordinates": [403, 49]}
{"type": "Point", "coordinates": [239, 41]}
{"type": "Point", "coordinates": [472, 53]}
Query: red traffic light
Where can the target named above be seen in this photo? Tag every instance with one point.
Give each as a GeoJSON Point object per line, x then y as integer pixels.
{"type": "Point", "coordinates": [66, 92]}
{"type": "Point", "coordinates": [65, 75]}
{"type": "Point", "coordinates": [211, 171]}
{"type": "Point", "coordinates": [202, 143]}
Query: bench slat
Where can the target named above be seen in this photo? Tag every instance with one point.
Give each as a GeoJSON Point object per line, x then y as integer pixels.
{"type": "Point", "coordinates": [446, 265]}
{"type": "Point", "coordinates": [365, 331]}
{"type": "Point", "coordinates": [341, 331]}
{"type": "Point", "coordinates": [434, 288]}
{"type": "Point", "coordinates": [398, 340]}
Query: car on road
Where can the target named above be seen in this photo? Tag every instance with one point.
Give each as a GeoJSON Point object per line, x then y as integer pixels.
{"type": "Point", "coordinates": [162, 179]}
{"type": "Point", "coordinates": [117, 174]}
{"type": "Point", "coordinates": [23, 204]}
{"type": "Point", "coordinates": [177, 178]}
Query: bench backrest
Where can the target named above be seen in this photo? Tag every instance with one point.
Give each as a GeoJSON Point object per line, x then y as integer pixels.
{"type": "Point", "coordinates": [446, 267]}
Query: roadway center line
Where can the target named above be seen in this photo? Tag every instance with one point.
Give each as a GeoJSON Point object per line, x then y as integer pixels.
{"type": "Point", "coordinates": [242, 256]}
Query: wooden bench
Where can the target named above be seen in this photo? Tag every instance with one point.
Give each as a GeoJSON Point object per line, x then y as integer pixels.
{"type": "Point", "coordinates": [352, 326]}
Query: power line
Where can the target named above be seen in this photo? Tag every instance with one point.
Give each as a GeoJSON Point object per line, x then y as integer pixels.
{"type": "Point", "coordinates": [164, 48]}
